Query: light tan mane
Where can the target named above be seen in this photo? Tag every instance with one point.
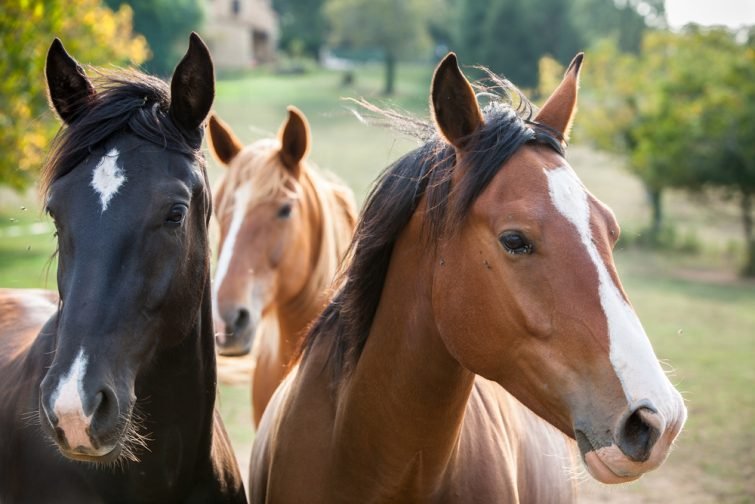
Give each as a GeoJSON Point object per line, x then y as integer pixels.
{"type": "Point", "coordinates": [338, 218]}
{"type": "Point", "coordinates": [260, 166]}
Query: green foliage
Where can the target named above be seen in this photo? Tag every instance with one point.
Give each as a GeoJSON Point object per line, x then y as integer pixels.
{"type": "Point", "coordinates": [682, 111]}
{"type": "Point", "coordinates": [508, 36]}
{"type": "Point", "coordinates": [91, 32]}
{"type": "Point", "coordinates": [302, 26]}
{"type": "Point", "coordinates": [667, 239]}
{"type": "Point", "coordinates": [597, 19]}
{"type": "Point", "coordinates": [166, 24]}
{"type": "Point", "coordinates": [398, 28]}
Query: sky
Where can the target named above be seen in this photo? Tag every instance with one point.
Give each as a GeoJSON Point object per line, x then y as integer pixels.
{"type": "Point", "coordinates": [732, 13]}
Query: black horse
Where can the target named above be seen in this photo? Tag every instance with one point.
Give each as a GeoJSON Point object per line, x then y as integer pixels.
{"type": "Point", "coordinates": [114, 399]}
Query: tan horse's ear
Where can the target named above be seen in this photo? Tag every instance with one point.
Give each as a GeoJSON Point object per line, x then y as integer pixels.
{"type": "Point", "coordinates": [558, 111]}
{"type": "Point", "coordinates": [295, 139]}
{"type": "Point", "coordinates": [223, 143]}
{"type": "Point", "coordinates": [453, 102]}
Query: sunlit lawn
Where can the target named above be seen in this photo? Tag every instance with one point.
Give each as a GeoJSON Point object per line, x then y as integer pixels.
{"type": "Point", "coordinates": [700, 318]}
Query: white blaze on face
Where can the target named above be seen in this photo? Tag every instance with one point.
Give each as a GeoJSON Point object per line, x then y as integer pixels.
{"type": "Point", "coordinates": [241, 198]}
{"type": "Point", "coordinates": [68, 405]}
{"type": "Point", "coordinates": [107, 177]}
{"type": "Point", "coordinates": [631, 355]}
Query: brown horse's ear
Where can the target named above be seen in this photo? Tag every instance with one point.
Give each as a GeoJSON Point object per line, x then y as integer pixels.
{"type": "Point", "coordinates": [192, 88]}
{"type": "Point", "coordinates": [558, 111]}
{"type": "Point", "coordinates": [453, 102]}
{"type": "Point", "coordinates": [70, 89]}
{"type": "Point", "coordinates": [295, 139]}
{"type": "Point", "coordinates": [223, 143]}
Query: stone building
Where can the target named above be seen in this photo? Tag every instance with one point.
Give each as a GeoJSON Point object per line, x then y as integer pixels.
{"type": "Point", "coordinates": [241, 33]}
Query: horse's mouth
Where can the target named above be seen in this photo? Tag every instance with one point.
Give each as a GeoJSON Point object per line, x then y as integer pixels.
{"type": "Point", "coordinates": [599, 468]}
{"type": "Point", "coordinates": [229, 344]}
{"type": "Point", "coordinates": [602, 472]}
{"type": "Point", "coordinates": [103, 455]}
{"type": "Point", "coordinates": [122, 445]}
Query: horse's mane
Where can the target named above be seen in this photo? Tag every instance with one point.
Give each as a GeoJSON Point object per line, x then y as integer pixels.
{"type": "Point", "coordinates": [127, 101]}
{"type": "Point", "coordinates": [426, 171]}
{"type": "Point", "coordinates": [259, 167]}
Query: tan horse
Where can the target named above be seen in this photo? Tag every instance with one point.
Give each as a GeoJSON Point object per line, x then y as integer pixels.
{"type": "Point", "coordinates": [482, 279]}
{"type": "Point", "coordinates": [284, 228]}
{"type": "Point", "coordinates": [24, 312]}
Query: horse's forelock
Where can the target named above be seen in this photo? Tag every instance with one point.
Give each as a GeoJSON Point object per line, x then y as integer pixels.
{"type": "Point", "coordinates": [126, 102]}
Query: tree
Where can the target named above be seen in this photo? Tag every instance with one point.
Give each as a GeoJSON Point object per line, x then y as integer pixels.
{"type": "Point", "coordinates": [620, 104]}
{"type": "Point", "coordinates": [625, 21]}
{"type": "Point", "coordinates": [509, 36]}
{"type": "Point", "coordinates": [714, 82]}
{"type": "Point", "coordinates": [396, 27]}
{"type": "Point", "coordinates": [91, 32]}
{"type": "Point", "coordinates": [165, 24]}
{"type": "Point", "coordinates": [681, 111]}
{"type": "Point", "coordinates": [302, 26]}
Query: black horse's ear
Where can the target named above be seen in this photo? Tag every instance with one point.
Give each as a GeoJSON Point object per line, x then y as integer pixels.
{"type": "Point", "coordinates": [192, 88]}
{"type": "Point", "coordinates": [453, 102]}
{"type": "Point", "coordinates": [295, 139]}
{"type": "Point", "coordinates": [70, 89]}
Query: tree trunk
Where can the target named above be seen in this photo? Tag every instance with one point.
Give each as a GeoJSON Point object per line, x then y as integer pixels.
{"type": "Point", "coordinates": [655, 196]}
{"type": "Point", "coordinates": [390, 72]}
{"type": "Point", "coordinates": [747, 224]}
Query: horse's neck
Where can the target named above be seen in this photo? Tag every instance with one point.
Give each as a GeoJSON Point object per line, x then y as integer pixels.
{"type": "Point", "coordinates": [330, 242]}
{"type": "Point", "coordinates": [403, 406]}
{"type": "Point", "coordinates": [181, 379]}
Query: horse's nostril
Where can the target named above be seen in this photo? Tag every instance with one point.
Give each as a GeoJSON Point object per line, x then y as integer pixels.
{"type": "Point", "coordinates": [639, 433]}
{"type": "Point", "coordinates": [98, 400]}
{"type": "Point", "coordinates": [105, 414]}
{"type": "Point", "coordinates": [242, 320]}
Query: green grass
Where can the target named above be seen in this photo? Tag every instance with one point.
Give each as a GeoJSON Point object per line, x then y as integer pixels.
{"type": "Point", "coordinates": [699, 316]}
{"type": "Point", "coordinates": [26, 247]}
{"type": "Point", "coordinates": [703, 329]}
{"type": "Point", "coordinates": [255, 106]}
{"type": "Point", "coordinates": [235, 408]}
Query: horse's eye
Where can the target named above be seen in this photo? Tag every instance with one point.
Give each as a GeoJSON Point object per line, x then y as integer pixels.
{"type": "Point", "coordinates": [514, 242]}
{"type": "Point", "coordinates": [284, 212]}
{"type": "Point", "coordinates": [177, 214]}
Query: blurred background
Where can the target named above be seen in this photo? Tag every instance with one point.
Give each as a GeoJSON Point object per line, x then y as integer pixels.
{"type": "Point", "coordinates": [665, 135]}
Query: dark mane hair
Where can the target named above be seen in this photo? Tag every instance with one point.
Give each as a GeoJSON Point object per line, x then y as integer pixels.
{"type": "Point", "coordinates": [426, 171]}
{"type": "Point", "coordinates": [126, 101]}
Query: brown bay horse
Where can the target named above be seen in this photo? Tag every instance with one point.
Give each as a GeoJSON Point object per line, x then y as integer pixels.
{"type": "Point", "coordinates": [480, 325]}
{"type": "Point", "coordinates": [108, 395]}
{"type": "Point", "coordinates": [284, 228]}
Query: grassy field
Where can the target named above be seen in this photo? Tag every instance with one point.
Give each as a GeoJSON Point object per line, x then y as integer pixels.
{"type": "Point", "coordinates": [699, 315]}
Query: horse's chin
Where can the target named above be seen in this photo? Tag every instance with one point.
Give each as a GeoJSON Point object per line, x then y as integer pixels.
{"type": "Point", "coordinates": [103, 455]}
{"type": "Point", "coordinates": [230, 345]}
{"type": "Point", "coordinates": [235, 351]}
{"type": "Point", "coordinates": [602, 472]}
